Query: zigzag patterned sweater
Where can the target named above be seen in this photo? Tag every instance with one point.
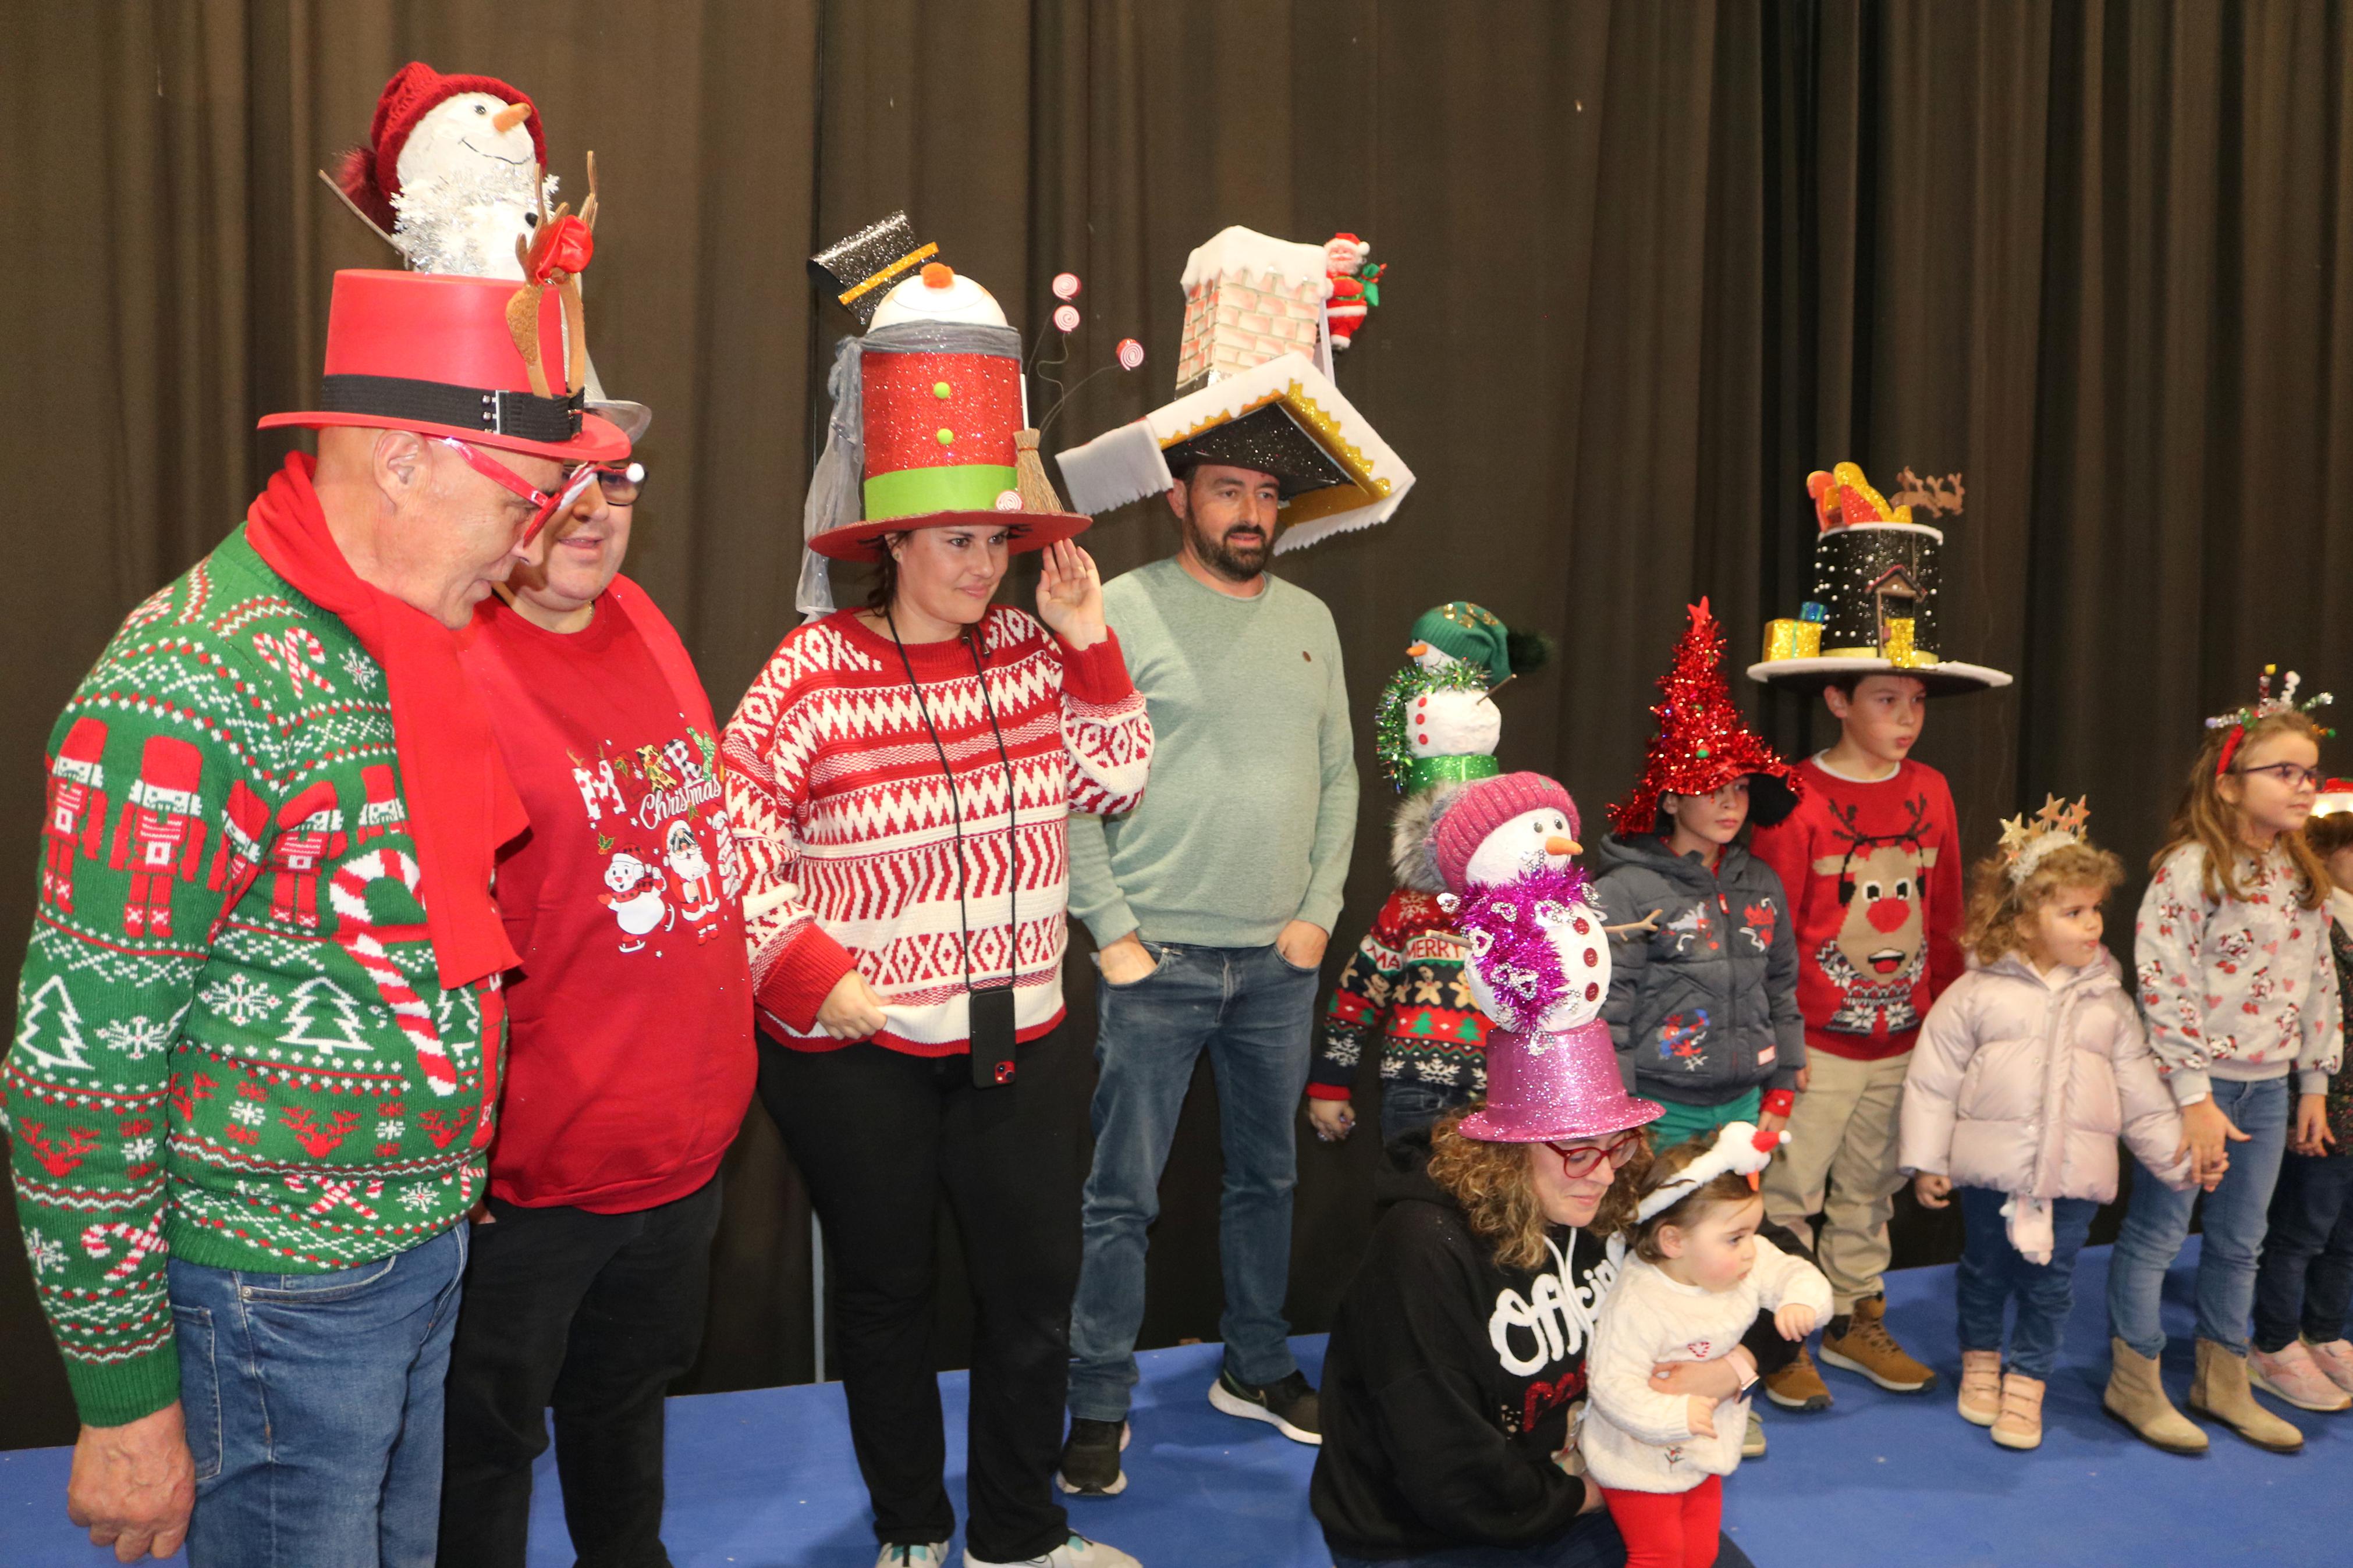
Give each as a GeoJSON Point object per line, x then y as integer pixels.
{"type": "Point", "coordinates": [850, 841]}
{"type": "Point", "coordinates": [207, 1057]}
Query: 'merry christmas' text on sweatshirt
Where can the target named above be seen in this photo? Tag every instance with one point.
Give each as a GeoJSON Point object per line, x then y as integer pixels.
{"type": "Point", "coordinates": [232, 1044]}
{"type": "Point", "coordinates": [1403, 986]}
{"type": "Point", "coordinates": [851, 836]}
{"type": "Point", "coordinates": [1874, 872]}
{"type": "Point", "coordinates": [1252, 809]}
{"type": "Point", "coordinates": [629, 1055]}
{"type": "Point", "coordinates": [2242, 989]}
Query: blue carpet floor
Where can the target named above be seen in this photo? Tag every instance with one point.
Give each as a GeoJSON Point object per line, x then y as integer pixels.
{"type": "Point", "coordinates": [765, 1480]}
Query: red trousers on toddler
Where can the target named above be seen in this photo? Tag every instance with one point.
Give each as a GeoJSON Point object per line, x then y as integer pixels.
{"type": "Point", "coordinates": [1668, 1530]}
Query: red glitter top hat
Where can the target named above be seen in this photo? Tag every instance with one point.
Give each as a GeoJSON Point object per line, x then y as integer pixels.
{"type": "Point", "coordinates": [1703, 742]}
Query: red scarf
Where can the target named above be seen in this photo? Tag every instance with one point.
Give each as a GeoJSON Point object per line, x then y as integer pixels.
{"type": "Point", "coordinates": [462, 805]}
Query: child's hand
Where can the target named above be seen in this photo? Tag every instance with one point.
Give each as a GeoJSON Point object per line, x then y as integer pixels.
{"type": "Point", "coordinates": [1934, 1191]}
{"type": "Point", "coordinates": [1702, 1417]}
{"type": "Point", "coordinates": [1332, 1119]}
{"type": "Point", "coordinates": [2209, 1134]}
{"type": "Point", "coordinates": [1795, 1320]}
{"type": "Point", "coordinates": [2311, 1135]}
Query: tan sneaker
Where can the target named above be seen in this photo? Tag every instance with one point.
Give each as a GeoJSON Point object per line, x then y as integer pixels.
{"type": "Point", "coordinates": [2019, 1424]}
{"type": "Point", "coordinates": [1798, 1386]}
{"type": "Point", "coordinates": [2335, 1359]}
{"type": "Point", "coordinates": [1864, 1345]}
{"type": "Point", "coordinates": [1980, 1401]}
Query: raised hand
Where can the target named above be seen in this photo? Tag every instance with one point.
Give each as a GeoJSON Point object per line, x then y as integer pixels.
{"type": "Point", "coordinates": [1069, 595]}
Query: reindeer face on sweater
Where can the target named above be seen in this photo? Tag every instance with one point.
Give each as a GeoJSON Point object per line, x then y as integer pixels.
{"type": "Point", "coordinates": [1880, 879]}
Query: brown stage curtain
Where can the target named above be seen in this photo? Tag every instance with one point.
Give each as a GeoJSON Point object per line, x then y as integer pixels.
{"type": "Point", "coordinates": [1649, 264]}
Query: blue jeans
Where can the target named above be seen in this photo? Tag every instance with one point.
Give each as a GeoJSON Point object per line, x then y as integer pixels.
{"type": "Point", "coordinates": [2305, 1284]}
{"type": "Point", "coordinates": [1412, 1106]}
{"type": "Point", "coordinates": [2159, 1222]}
{"type": "Point", "coordinates": [1992, 1271]}
{"type": "Point", "coordinates": [1251, 1010]}
{"type": "Point", "coordinates": [313, 1404]}
{"type": "Point", "coordinates": [1592, 1543]}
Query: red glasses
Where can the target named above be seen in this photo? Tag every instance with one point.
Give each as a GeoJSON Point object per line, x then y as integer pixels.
{"type": "Point", "coordinates": [1582, 1159]}
{"type": "Point", "coordinates": [544, 506]}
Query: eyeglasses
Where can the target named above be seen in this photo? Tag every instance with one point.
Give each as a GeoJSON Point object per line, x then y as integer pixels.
{"type": "Point", "coordinates": [622, 482]}
{"type": "Point", "coordinates": [544, 506]}
{"type": "Point", "coordinates": [1582, 1159]}
{"type": "Point", "coordinates": [2294, 775]}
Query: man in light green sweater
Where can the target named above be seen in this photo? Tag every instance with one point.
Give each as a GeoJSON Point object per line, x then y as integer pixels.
{"type": "Point", "coordinates": [1211, 904]}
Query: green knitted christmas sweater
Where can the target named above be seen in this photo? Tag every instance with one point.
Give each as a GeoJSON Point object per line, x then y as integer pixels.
{"type": "Point", "coordinates": [232, 1045]}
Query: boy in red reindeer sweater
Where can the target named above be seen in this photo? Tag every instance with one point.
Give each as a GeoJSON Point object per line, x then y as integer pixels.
{"type": "Point", "coordinates": [1873, 869]}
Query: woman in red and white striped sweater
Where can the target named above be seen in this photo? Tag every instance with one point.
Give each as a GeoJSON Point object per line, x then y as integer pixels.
{"type": "Point", "coordinates": [879, 900]}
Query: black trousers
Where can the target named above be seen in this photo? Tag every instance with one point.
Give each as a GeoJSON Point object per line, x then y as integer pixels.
{"type": "Point", "coordinates": [880, 1136]}
{"type": "Point", "coordinates": [595, 1315]}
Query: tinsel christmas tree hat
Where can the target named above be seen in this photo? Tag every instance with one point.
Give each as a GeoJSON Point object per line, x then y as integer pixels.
{"type": "Point", "coordinates": [1703, 742]}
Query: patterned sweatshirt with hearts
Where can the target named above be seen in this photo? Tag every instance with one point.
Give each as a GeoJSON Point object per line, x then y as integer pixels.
{"type": "Point", "coordinates": [1638, 1440]}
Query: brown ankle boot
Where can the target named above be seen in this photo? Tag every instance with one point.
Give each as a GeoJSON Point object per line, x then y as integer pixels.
{"type": "Point", "coordinates": [2135, 1396]}
{"type": "Point", "coordinates": [2019, 1424]}
{"type": "Point", "coordinates": [1798, 1386]}
{"type": "Point", "coordinates": [2221, 1391]}
{"type": "Point", "coordinates": [1980, 1401]}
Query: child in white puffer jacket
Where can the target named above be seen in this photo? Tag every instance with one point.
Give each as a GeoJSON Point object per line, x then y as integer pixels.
{"type": "Point", "coordinates": [2028, 1070]}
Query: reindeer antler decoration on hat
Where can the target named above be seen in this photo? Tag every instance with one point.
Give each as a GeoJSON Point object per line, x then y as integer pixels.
{"type": "Point", "coordinates": [555, 256]}
{"type": "Point", "coordinates": [2266, 706]}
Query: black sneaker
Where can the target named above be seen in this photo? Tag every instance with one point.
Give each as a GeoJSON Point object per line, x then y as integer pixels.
{"type": "Point", "coordinates": [1090, 1458]}
{"type": "Point", "coordinates": [1289, 1406]}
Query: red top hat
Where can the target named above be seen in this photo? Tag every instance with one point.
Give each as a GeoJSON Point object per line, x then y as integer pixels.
{"type": "Point", "coordinates": [432, 352]}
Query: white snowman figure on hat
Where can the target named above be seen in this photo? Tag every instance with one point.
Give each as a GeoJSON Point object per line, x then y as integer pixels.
{"type": "Point", "coordinates": [1505, 849]}
{"type": "Point", "coordinates": [450, 173]}
{"type": "Point", "coordinates": [938, 294]}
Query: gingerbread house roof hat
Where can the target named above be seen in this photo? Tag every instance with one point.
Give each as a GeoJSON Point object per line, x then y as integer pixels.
{"type": "Point", "coordinates": [1254, 391]}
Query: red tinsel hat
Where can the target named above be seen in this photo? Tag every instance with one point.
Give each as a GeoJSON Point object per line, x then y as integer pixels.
{"type": "Point", "coordinates": [370, 176]}
{"type": "Point", "coordinates": [1703, 742]}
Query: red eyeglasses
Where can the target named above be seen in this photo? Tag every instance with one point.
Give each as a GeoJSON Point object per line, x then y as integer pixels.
{"type": "Point", "coordinates": [545, 506]}
{"type": "Point", "coordinates": [1582, 1159]}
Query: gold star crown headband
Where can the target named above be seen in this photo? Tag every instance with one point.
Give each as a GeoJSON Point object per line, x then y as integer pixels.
{"type": "Point", "coordinates": [2029, 844]}
{"type": "Point", "coordinates": [2267, 706]}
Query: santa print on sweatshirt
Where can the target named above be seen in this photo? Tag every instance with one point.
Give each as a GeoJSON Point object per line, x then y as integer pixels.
{"type": "Point", "coordinates": [1874, 872]}
{"type": "Point", "coordinates": [630, 1023]}
{"type": "Point", "coordinates": [855, 855]}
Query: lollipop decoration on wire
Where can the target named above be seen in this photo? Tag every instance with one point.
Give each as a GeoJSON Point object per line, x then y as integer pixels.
{"type": "Point", "coordinates": [1065, 319]}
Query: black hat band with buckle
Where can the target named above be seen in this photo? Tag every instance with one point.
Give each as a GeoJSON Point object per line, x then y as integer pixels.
{"type": "Point", "coordinates": [519, 415]}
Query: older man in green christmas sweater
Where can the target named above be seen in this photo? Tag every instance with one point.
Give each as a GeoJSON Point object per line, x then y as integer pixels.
{"type": "Point", "coordinates": [258, 1034]}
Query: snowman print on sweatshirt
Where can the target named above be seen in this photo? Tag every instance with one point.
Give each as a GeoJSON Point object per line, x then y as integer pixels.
{"type": "Point", "coordinates": [652, 808]}
{"type": "Point", "coordinates": [1880, 949]}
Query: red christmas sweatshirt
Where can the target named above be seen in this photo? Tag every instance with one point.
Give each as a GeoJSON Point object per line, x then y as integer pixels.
{"type": "Point", "coordinates": [629, 1054]}
{"type": "Point", "coordinates": [1874, 874]}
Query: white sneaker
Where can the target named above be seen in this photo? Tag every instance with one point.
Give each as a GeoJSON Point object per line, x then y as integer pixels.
{"type": "Point", "coordinates": [914, 1556]}
{"type": "Point", "coordinates": [1076, 1552]}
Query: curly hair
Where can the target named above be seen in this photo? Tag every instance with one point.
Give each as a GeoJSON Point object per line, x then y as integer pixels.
{"type": "Point", "coordinates": [1687, 1211]}
{"type": "Point", "coordinates": [2328, 834]}
{"type": "Point", "coordinates": [1998, 906]}
{"type": "Point", "coordinates": [2206, 819]}
{"type": "Point", "coordinates": [1491, 1182]}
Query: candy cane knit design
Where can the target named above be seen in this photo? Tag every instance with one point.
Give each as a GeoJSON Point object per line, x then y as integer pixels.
{"type": "Point", "coordinates": [360, 938]}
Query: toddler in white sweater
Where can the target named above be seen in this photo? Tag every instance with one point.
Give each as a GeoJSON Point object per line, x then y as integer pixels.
{"type": "Point", "coordinates": [1697, 1278]}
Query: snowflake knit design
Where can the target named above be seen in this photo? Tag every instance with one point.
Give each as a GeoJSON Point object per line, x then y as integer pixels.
{"type": "Point", "coordinates": [211, 1062]}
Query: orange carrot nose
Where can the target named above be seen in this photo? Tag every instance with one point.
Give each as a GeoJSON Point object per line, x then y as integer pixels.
{"type": "Point", "coordinates": [938, 274]}
{"type": "Point", "coordinates": [513, 115]}
{"type": "Point", "coordinates": [1555, 844]}
{"type": "Point", "coordinates": [1417, 650]}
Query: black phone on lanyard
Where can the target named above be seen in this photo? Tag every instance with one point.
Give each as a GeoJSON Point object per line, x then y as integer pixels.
{"type": "Point", "coordinates": [992, 1035]}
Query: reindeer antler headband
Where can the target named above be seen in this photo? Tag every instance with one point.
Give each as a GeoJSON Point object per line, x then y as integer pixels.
{"type": "Point", "coordinates": [1739, 1149]}
{"type": "Point", "coordinates": [2266, 706]}
{"type": "Point", "coordinates": [2026, 845]}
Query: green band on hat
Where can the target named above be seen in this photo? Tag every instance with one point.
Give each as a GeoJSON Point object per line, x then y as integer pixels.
{"type": "Point", "coordinates": [959, 487]}
{"type": "Point", "coordinates": [1425, 772]}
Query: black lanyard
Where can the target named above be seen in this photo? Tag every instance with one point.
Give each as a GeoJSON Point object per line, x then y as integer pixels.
{"type": "Point", "coordinates": [955, 810]}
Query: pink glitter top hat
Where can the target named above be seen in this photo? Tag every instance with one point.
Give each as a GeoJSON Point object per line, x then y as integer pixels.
{"type": "Point", "coordinates": [1551, 1088]}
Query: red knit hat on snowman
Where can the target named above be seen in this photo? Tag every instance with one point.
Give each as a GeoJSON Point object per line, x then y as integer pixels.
{"type": "Point", "coordinates": [370, 176]}
{"type": "Point", "coordinates": [1479, 808]}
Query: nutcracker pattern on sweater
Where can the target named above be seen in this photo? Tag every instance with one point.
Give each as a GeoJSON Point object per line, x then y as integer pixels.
{"type": "Point", "coordinates": [2237, 988]}
{"type": "Point", "coordinates": [1403, 986]}
{"type": "Point", "coordinates": [850, 840]}
{"type": "Point", "coordinates": [232, 1045]}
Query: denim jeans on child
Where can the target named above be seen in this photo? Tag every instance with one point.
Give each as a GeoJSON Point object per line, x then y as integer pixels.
{"type": "Point", "coordinates": [2305, 1282]}
{"type": "Point", "coordinates": [1412, 1106]}
{"type": "Point", "coordinates": [313, 1404]}
{"type": "Point", "coordinates": [2233, 1220]}
{"type": "Point", "coordinates": [1252, 1009]}
{"type": "Point", "coordinates": [1992, 1272]}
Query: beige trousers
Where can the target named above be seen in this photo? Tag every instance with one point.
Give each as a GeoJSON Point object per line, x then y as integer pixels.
{"type": "Point", "coordinates": [1840, 1162]}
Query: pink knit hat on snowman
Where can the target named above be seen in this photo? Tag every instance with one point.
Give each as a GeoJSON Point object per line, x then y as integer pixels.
{"type": "Point", "coordinates": [1479, 808]}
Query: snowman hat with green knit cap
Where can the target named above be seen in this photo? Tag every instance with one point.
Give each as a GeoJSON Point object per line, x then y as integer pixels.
{"type": "Point", "coordinates": [1470, 633]}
